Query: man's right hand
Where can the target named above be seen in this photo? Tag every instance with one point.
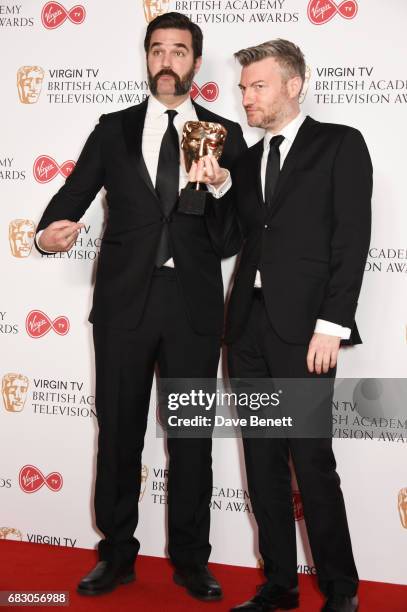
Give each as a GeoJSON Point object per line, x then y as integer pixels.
{"type": "Point", "coordinates": [59, 236]}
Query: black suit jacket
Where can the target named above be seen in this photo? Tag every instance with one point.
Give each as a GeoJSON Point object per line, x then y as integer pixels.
{"type": "Point", "coordinates": [112, 157]}
{"type": "Point", "coordinates": [311, 244]}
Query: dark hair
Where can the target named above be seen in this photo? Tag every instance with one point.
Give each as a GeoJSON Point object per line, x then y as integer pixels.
{"type": "Point", "coordinates": [179, 22]}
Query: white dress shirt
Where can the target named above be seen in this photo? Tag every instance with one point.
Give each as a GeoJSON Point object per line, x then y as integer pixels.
{"type": "Point", "coordinates": [290, 132]}
{"type": "Point", "coordinates": [155, 125]}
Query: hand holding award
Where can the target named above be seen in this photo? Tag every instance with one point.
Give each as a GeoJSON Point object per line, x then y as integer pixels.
{"type": "Point", "coordinates": [199, 139]}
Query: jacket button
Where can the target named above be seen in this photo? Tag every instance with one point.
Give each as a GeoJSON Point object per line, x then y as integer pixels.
{"type": "Point", "coordinates": [266, 227]}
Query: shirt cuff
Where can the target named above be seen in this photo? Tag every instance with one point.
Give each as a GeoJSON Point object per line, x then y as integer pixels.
{"type": "Point", "coordinates": [332, 329]}
{"type": "Point", "coordinates": [218, 193]}
{"type": "Point", "coordinates": [37, 242]}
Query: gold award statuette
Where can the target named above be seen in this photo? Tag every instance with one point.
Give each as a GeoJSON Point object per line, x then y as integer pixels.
{"type": "Point", "coordinates": [199, 138]}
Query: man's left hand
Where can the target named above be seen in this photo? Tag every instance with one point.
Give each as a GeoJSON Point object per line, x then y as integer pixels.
{"type": "Point", "coordinates": [322, 353]}
{"type": "Point", "coordinates": [208, 171]}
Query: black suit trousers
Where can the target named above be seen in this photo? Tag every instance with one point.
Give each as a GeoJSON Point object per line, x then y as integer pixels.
{"type": "Point", "coordinates": [125, 365]}
{"type": "Point", "coordinates": [260, 353]}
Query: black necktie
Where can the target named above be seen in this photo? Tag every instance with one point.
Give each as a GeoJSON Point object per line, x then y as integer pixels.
{"type": "Point", "coordinates": [167, 183]}
{"type": "Point", "coordinates": [272, 169]}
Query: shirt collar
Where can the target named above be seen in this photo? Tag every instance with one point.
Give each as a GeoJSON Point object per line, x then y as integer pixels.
{"type": "Point", "coordinates": [289, 131]}
{"type": "Point", "coordinates": [156, 108]}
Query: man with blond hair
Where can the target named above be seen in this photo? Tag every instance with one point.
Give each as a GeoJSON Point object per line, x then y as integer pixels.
{"type": "Point", "coordinates": [303, 202]}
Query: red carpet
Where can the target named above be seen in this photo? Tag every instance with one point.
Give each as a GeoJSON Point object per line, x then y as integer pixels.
{"type": "Point", "coordinates": [25, 566]}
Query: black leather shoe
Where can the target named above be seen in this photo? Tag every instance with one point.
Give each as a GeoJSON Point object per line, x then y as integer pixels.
{"type": "Point", "coordinates": [199, 583]}
{"type": "Point", "coordinates": [270, 597]}
{"type": "Point", "coordinates": [104, 578]}
{"type": "Point", "coordinates": [341, 603]}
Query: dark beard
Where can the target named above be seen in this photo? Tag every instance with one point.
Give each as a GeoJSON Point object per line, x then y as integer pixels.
{"type": "Point", "coordinates": [182, 86]}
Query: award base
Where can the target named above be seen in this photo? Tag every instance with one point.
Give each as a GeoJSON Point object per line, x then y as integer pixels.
{"type": "Point", "coordinates": [192, 201]}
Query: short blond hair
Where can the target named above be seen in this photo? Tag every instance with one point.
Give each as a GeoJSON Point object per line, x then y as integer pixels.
{"type": "Point", "coordinates": [286, 53]}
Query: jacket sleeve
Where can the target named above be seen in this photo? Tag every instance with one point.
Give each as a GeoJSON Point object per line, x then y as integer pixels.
{"type": "Point", "coordinates": [81, 186]}
{"type": "Point", "coordinates": [222, 220]}
{"type": "Point", "coordinates": [351, 197]}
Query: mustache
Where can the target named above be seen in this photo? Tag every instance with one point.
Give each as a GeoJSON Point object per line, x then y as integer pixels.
{"type": "Point", "coordinates": [182, 84]}
{"type": "Point", "coordinates": [166, 72]}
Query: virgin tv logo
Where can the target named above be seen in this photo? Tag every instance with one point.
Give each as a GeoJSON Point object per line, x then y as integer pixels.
{"type": "Point", "coordinates": [38, 324]}
{"type": "Point", "coordinates": [54, 15]}
{"type": "Point", "coordinates": [209, 91]}
{"type": "Point", "coordinates": [31, 479]}
{"type": "Point", "coordinates": [322, 11]}
{"type": "Point", "coordinates": [45, 168]}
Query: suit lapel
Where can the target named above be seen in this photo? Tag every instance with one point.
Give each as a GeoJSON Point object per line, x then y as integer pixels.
{"type": "Point", "coordinates": [201, 112]}
{"type": "Point", "coordinates": [133, 125]}
{"type": "Point", "coordinates": [300, 144]}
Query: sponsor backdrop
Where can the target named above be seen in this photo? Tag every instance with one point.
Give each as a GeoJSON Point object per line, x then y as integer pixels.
{"type": "Point", "coordinates": [63, 66]}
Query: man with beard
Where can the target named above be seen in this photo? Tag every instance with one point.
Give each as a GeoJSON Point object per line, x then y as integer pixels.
{"type": "Point", "coordinates": [303, 197]}
{"type": "Point", "coordinates": [158, 300]}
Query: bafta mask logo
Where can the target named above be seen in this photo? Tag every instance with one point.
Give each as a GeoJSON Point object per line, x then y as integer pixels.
{"type": "Point", "coordinates": [144, 477]}
{"type": "Point", "coordinates": [9, 533]}
{"type": "Point", "coordinates": [305, 85]}
{"type": "Point", "coordinates": [21, 233]}
{"type": "Point", "coordinates": [297, 504]}
{"type": "Point", "coordinates": [14, 389]}
{"type": "Point", "coordinates": [155, 8]}
{"type": "Point", "coordinates": [201, 138]}
{"type": "Point", "coordinates": [402, 505]}
{"type": "Point", "coordinates": [29, 83]}
{"type": "Point", "coordinates": [322, 11]}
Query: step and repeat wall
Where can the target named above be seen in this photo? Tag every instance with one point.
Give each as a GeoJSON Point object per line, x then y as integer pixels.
{"type": "Point", "coordinates": [62, 67]}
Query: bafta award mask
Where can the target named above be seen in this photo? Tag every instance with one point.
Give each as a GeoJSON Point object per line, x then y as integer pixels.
{"type": "Point", "coordinates": [155, 8]}
{"type": "Point", "coordinates": [9, 533]}
{"type": "Point", "coordinates": [144, 476]}
{"type": "Point", "coordinates": [14, 390]}
{"type": "Point", "coordinates": [29, 83]}
{"type": "Point", "coordinates": [21, 233]}
{"type": "Point", "coordinates": [305, 85]}
{"type": "Point", "coordinates": [201, 138]}
{"type": "Point", "coordinates": [402, 504]}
